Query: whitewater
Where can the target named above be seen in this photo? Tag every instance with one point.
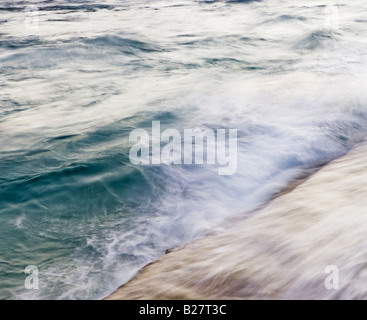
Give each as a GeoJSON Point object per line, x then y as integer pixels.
{"type": "Point", "coordinates": [77, 77]}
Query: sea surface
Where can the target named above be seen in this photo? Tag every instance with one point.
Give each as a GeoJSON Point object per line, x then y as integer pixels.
{"type": "Point", "coordinates": [76, 77]}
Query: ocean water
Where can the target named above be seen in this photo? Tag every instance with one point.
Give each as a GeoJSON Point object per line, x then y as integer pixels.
{"type": "Point", "coordinates": [76, 79]}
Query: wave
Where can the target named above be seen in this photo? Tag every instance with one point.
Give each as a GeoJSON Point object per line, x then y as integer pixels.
{"type": "Point", "coordinates": [286, 251]}
{"type": "Point", "coordinates": [74, 89]}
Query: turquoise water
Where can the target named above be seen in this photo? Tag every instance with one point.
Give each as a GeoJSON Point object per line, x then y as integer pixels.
{"type": "Point", "coordinates": [288, 75]}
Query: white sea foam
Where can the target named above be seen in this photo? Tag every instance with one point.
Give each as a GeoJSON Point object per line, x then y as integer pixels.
{"type": "Point", "coordinates": [73, 89]}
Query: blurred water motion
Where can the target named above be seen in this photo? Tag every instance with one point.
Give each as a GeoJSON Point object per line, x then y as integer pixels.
{"type": "Point", "coordinates": [286, 251]}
